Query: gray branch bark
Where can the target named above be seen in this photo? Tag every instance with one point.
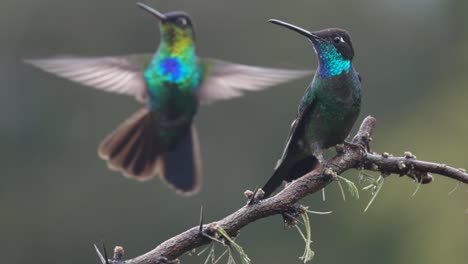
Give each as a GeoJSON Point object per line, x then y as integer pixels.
{"type": "Point", "coordinates": [351, 156]}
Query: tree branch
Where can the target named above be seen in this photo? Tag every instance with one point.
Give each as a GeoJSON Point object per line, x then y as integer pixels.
{"type": "Point", "coordinates": [356, 155]}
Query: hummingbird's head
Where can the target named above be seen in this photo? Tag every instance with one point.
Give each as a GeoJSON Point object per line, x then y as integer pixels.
{"type": "Point", "coordinates": [176, 27]}
{"type": "Point", "coordinates": [333, 46]}
{"type": "Point", "coordinates": [333, 40]}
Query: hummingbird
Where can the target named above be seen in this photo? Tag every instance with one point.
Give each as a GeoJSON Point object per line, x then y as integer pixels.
{"type": "Point", "coordinates": [160, 138]}
{"type": "Point", "coordinates": [328, 109]}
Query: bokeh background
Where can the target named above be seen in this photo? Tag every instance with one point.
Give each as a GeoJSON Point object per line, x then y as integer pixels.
{"type": "Point", "coordinates": [57, 198]}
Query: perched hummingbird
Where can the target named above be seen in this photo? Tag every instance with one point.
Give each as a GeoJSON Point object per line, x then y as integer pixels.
{"type": "Point", "coordinates": [327, 111]}
{"type": "Point", "coordinates": [161, 138]}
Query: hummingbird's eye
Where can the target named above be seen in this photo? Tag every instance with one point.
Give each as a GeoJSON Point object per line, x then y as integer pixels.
{"type": "Point", "coordinates": [337, 40]}
{"type": "Point", "coordinates": [182, 21]}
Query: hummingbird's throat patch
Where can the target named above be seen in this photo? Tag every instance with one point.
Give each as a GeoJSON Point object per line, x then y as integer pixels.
{"type": "Point", "coordinates": [332, 62]}
{"type": "Point", "coordinates": [177, 41]}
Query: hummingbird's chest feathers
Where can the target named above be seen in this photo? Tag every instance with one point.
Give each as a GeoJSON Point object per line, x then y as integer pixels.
{"type": "Point", "coordinates": [337, 102]}
{"type": "Point", "coordinates": [173, 78]}
{"type": "Point", "coordinates": [172, 82]}
{"type": "Point", "coordinates": [180, 72]}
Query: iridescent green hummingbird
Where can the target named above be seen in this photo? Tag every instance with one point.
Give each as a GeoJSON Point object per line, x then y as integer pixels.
{"type": "Point", "coordinates": [328, 110]}
{"type": "Point", "coordinates": [161, 138]}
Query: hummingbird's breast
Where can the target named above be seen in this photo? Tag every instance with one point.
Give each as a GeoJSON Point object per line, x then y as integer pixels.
{"type": "Point", "coordinates": [337, 103]}
{"type": "Point", "coordinates": [172, 81]}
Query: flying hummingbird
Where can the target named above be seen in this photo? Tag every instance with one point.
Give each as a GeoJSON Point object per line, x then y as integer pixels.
{"type": "Point", "coordinates": [161, 138]}
{"type": "Point", "coordinates": [328, 109]}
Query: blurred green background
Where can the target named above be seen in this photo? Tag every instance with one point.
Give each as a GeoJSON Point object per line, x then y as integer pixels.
{"type": "Point", "coordinates": [57, 198]}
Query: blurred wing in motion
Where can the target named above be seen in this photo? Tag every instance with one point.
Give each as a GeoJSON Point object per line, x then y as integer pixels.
{"type": "Point", "coordinates": [226, 80]}
{"type": "Point", "coordinates": [123, 75]}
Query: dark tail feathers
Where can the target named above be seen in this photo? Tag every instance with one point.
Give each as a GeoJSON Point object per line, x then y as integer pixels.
{"type": "Point", "coordinates": [286, 172]}
{"type": "Point", "coordinates": [181, 167]}
{"type": "Point", "coordinates": [133, 148]}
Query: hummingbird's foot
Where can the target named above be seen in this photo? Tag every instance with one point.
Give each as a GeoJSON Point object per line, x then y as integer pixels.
{"type": "Point", "coordinates": [255, 196]}
{"type": "Point", "coordinates": [327, 170]}
{"type": "Point", "coordinates": [320, 158]}
{"type": "Point", "coordinates": [322, 161]}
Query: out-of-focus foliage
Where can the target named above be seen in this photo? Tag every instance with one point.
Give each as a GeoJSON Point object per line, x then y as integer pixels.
{"type": "Point", "coordinates": [57, 197]}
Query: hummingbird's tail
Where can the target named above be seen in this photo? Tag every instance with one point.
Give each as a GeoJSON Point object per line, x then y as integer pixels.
{"type": "Point", "coordinates": [289, 172]}
{"type": "Point", "coordinates": [134, 149]}
{"type": "Point", "coordinates": [181, 167]}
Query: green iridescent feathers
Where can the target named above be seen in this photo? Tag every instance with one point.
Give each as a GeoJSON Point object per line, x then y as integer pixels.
{"type": "Point", "coordinates": [333, 62]}
{"type": "Point", "coordinates": [326, 112]}
{"type": "Point", "coordinates": [175, 61]}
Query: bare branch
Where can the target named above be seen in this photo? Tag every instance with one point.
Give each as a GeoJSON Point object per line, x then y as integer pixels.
{"type": "Point", "coordinates": [405, 165]}
{"type": "Point", "coordinates": [352, 156]}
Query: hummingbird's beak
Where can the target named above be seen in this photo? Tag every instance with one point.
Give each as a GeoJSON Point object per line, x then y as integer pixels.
{"type": "Point", "coordinates": [160, 16]}
{"type": "Point", "coordinates": [299, 30]}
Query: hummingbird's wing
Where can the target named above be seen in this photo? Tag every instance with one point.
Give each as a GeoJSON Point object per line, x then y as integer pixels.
{"type": "Point", "coordinates": [307, 104]}
{"type": "Point", "coordinates": [285, 170]}
{"type": "Point", "coordinates": [226, 80]}
{"type": "Point", "coordinates": [123, 75]}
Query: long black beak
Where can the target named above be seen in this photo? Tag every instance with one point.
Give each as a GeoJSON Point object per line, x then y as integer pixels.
{"type": "Point", "coordinates": [299, 30]}
{"type": "Point", "coordinates": [160, 16]}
